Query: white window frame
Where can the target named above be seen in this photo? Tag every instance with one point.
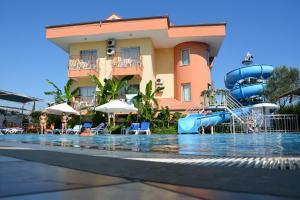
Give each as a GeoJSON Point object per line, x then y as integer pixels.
{"type": "Point", "coordinates": [182, 92]}
{"type": "Point", "coordinates": [181, 56]}
{"type": "Point", "coordinates": [86, 87]}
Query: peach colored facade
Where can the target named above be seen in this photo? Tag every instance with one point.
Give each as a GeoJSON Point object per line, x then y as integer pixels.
{"type": "Point", "coordinates": [197, 73]}
{"type": "Point", "coordinates": [157, 48]}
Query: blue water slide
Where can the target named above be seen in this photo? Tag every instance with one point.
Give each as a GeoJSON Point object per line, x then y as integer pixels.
{"type": "Point", "coordinates": [252, 71]}
{"type": "Point", "coordinates": [192, 122]}
{"type": "Point", "coordinates": [245, 91]}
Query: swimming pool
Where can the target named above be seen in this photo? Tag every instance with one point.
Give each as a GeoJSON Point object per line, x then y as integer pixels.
{"type": "Point", "coordinates": [258, 145]}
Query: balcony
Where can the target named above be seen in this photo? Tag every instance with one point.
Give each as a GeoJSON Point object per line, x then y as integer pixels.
{"type": "Point", "coordinates": [128, 66]}
{"type": "Point", "coordinates": [82, 66]}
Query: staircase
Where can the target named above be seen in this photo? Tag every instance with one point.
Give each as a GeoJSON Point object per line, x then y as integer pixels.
{"type": "Point", "coordinates": [232, 105]}
{"type": "Point", "coordinates": [222, 100]}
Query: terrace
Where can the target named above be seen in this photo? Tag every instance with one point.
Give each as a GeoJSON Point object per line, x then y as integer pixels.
{"type": "Point", "coordinates": [82, 66]}
{"type": "Point", "coordinates": [127, 65]}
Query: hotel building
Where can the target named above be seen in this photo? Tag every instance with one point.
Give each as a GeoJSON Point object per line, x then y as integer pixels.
{"type": "Point", "coordinates": [180, 58]}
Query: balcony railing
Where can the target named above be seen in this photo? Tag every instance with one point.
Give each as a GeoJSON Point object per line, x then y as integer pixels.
{"type": "Point", "coordinates": [83, 66]}
{"type": "Point", "coordinates": [127, 66]}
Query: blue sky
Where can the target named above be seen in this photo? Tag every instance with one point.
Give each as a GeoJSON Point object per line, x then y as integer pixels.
{"type": "Point", "coordinates": [269, 29]}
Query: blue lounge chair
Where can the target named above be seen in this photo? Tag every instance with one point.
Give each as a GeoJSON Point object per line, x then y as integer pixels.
{"type": "Point", "coordinates": [87, 125]}
{"type": "Point", "coordinates": [133, 128]}
{"type": "Point", "coordinates": [145, 127]}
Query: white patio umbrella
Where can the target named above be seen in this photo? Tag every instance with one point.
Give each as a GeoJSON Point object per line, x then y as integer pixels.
{"type": "Point", "coordinates": [116, 106]}
{"type": "Point", "coordinates": [61, 108]}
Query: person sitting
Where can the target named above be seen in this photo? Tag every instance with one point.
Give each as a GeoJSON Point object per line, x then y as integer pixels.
{"type": "Point", "coordinates": [86, 132]}
{"type": "Point", "coordinates": [51, 128]}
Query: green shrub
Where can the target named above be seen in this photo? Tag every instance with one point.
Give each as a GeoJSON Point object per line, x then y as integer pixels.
{"type": "Point", "coordinates": [99, 117]}
{"type": "Point", "coordinates": [290, 109]}
{"type": "Point", "coordinates": [116, 129]}
{"type": "Point", "coordinates": [162, 130]}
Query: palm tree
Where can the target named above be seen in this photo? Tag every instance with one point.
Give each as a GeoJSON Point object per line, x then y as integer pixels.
{"type": "Point", "coordinates": [69, 94]}
{"type": "Point", "coordinates": [148, 98]}
{"type": "Point", "coordinates": [115, 86]}
{"type": "Point", "coordinates": [59, 95]}
{"type": "Point", "coordinates": [110, 89]}
{"type": "Point", "coordinates": [146, 102]}
{"type": "Point", "coordinates": [102, 90]}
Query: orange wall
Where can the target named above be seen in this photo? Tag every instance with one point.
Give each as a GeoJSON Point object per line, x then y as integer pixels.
{"type": "Point", "coordinates": [106, 28]}
{"type": "Point", "coordinates": [197, 73]}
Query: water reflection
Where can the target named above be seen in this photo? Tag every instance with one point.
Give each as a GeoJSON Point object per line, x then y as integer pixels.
{"type": "Point", "coordinates": [211, 145]}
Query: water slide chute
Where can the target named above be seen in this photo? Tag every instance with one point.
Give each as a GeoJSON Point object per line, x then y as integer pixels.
{"type": "Point", "coordinates": [233, 80]}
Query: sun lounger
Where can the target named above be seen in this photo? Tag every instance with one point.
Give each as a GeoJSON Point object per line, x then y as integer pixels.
{"type": "Point", "coordinates": [100, 129]}
{"type": "Point", "coordinates": [75, 130]}
{"type": "Point", "coordinates": [145, 127]}
{"type": "Point", "coordinates": [134, 127]}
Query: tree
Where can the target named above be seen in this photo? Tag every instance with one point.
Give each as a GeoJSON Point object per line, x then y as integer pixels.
{"type": "Point", "coordinates": [68, 93]}
{"type": "Point", "coordinates": [62, 96]}
{"type": "Point", "coordinates": [102, 90]}
{"type": "Point", "coordinates": [110, 89]}
{"type": "Point", "coordinates": [146, 102]}
{"type": "Point", "coordinates": [115, 86]}
{"type": "Point", "coordinates": [57, 93]}
{"type": "Point", "coordinates": [165, 116]}
{"type": "Point", "coordinates": [148, 98]}
{"type": "Point", "coordinates": [282, 80]}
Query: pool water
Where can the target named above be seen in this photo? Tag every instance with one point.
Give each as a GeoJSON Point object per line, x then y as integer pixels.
{"type": "Point", "coordinates": [259, 145]}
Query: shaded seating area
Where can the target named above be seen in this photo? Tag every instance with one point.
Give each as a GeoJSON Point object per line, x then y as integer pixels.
{"type": "Point", "coordinates": [22, 100]}
{"type": "Point", "coordinates": [290, 94]}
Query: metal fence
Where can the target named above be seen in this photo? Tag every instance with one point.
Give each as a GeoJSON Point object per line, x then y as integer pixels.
{"type": "Point", "coordinates": [280, 123]}
{"type": "Point", "coordinates": [267, 123]}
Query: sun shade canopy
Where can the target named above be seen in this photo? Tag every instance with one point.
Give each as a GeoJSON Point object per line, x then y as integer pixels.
{"type": "Point", "coordinates": [292, 92]}
{"type": "Point", "coordinates": [14, 97]}
{"type": "Point", "coordinates": [60, 109]}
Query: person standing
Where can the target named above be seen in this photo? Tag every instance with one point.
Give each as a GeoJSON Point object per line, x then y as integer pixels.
{"type": "Point", "coordinates": [43, 123]}
{"type": "Point", "coordinates": [64, 122]}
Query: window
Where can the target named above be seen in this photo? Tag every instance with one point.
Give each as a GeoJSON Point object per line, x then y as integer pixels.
{"type": "Point", "coordinates": [185, 56]}
{"type": "Point", "coordinates": [89, 56]}
{"type": "Point", "coordinates": [130, 89]}
{"type": "Point", "coordinates": [186, 92]}
{"type": "Point", "coordinates": [87, 91]}
{"type": "Point", "coordinates": [131, 56]}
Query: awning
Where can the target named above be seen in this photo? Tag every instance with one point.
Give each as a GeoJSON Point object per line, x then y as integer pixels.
{"type": "Point", "coordinates": [292, 92]}
{"type": "Point", "coordinates": [14, 97]}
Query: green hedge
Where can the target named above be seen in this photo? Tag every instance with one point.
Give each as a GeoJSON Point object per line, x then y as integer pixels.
{"type": "Point", "coordinates": [170, 130]}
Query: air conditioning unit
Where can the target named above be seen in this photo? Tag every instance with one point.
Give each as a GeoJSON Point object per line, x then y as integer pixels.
{"type": "Point", "coordinates": [111, 42]}
{"type": "Point", "coordinates": [110, 51]}
{"type": "Point", "coordinates": [159, 82]}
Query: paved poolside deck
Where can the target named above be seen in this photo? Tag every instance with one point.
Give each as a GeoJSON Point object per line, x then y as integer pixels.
{"type": "Point", "coordinates": [35, 172]}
